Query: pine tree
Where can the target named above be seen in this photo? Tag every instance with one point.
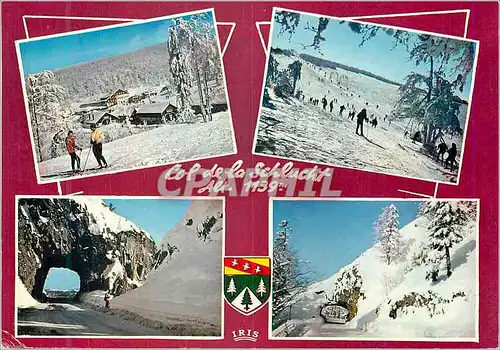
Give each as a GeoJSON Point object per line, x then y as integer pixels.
{"type": "Point", "coordinates": [246, 299]}
{"type": "Point", "coordinates": [289, 273]}
{"type": "Point", "coordinates": [261, 289]}
{"type": "Point", "coordinates": [445, 231]}
{"type": "Point", "coordinates": [295, 72]}
{"type": "Point", "coordinates": [45, 101]}
{"type": "Point", "coordinates": [387, 234]}
{"type": "Point", "coordinates": [231, 288]}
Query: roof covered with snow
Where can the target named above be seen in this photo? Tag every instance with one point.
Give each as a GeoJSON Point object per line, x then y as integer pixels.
{"type": "Point", "coordinates": [152, 108]}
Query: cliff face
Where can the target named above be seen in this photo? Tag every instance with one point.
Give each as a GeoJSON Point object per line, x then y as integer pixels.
{"type": "Point", "coordinates": [186, 284]}
{"type": "Point", "coordinates": [82, 234]}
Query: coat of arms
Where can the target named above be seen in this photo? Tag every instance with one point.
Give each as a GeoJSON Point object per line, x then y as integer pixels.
{"type": "Point", "coordinates": [247, 283]}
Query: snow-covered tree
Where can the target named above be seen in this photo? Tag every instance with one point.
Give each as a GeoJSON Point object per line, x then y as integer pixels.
{"type": "Point", "coordinates": [272, 71]}
{"type": "Point", "coordinates": [194, 57]}
{"type": "Point", "coordinates": [289, 273]}
{"type": "Point", "coordinates": [295, 72]}
{"type": "Point", "coordinates": [45, 100]}
{"type": "Point", "coordinates": [387, 234]}
{"type": "Point", "coordinates": [261, 288]}
{"type": "Point", "coordinates": [445, 231]}
{"type": "Point", "coordinates": [231, 288]}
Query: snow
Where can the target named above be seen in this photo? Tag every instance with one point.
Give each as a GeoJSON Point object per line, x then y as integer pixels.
{"type": "Point", "coordinates": [298, 130]}
{"type": "Point", "coordinates": [187, 285]}
{"type": "Point", "coordinates": [23, 297]}
{"type": "Point", "coordinates": [163, 145]}
{"type": "Point", "coordinates": [113, 272]}
{"type": "Point", "coordinates": [106, 219]}
{"type": "Point", "coordinates": [383, 285]}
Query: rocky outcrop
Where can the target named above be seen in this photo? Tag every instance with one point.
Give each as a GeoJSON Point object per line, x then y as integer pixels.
{"type": "Point", "coordinates": [348, 290]}
{"type": "Point", "coordinates": [83, 234]}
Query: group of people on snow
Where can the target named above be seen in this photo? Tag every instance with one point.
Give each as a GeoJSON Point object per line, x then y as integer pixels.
{"type": "Point", "coordinates": [96, 140]}
{"type": "Point", "coordinates": [442, 148]}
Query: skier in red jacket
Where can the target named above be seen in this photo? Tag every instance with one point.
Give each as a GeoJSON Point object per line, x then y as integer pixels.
{"type": "Point", "coordinates": [72, 147]}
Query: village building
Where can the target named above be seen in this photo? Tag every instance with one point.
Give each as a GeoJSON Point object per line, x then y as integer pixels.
{"type": "Point", "coordinates": [99, 119]}
{"type": "Point", "coordinates": [155, 113]}
{"type": "Point", "coordinates": [119, 97]}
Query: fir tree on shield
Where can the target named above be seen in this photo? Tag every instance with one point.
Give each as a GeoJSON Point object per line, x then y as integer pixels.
{"type": "Point", "coordinates": [247, 300]}
{"type": "Point", "coordinates": [232, 287]}
{"type": "Point", "coordinates": [261, 289]}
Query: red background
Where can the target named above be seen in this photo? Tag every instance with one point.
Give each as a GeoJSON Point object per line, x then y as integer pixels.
{"type": "Point", "coordinates": [247, 217]}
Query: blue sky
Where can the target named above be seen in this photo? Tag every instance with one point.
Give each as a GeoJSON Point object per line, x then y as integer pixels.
{"type": "Point", "coordinates": [68, 50]}
{"type": "Point", "coordinates": [331, 234]}
{"type": "Point", "coordinates": [156, 216]}
{"type": "Point", "coordinates": [342, 46]}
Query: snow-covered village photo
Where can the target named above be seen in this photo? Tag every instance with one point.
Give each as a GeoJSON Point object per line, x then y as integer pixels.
{"type": "Point", "coordinates": [375, 269]}
{"type": "Point", "coordinates": [114, 267]}
{"type": "Point", "coordinates": [365, 96]}
{"type": "Point", "coordinates": [125, 97]}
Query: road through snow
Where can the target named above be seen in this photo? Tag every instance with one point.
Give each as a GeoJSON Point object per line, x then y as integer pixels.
{"type": "Point", "coordinates": [76, 320]}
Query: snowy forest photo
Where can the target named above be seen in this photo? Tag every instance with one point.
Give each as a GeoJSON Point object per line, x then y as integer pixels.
{"type": "Point", "coordinates": [368, 97]}
{"type": "Point", "coordinates": [368, 269]}
{"type": "Point", "coordinates": [155, 91]}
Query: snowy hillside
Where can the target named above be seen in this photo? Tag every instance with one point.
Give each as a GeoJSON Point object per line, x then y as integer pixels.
{"type": "Point", "coordinates": [297, 129]}
{"type": "Point", "coordinates": [396, 300]}
{"type": "Point", "coordinates": [186, 286]}
{"type": "Point", "coordinates": [163, 145]}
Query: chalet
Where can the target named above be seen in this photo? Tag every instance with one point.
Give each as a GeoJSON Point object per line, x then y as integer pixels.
{"type": "Point", "coordinates": [216, 107]}
{"type": "Point", "coordinates": [99, 118]}
{"type": "Point", "coordinates": [119, 97]}
{"type": "Point", "coordinates": [155, 113]}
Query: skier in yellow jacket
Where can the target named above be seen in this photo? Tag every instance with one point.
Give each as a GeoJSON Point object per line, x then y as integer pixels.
{"type": "Point", "coordinates": [96, 141]}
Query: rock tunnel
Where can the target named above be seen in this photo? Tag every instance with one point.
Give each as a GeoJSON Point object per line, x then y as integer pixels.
{"type": "Point", "coordinates": [64, 233]}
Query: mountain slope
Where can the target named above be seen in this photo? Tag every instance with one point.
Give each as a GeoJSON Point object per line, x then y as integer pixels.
{"type": "Point", "coordinates": [396, 300]}
{"type": "Point", "coordinates": [186, 286]}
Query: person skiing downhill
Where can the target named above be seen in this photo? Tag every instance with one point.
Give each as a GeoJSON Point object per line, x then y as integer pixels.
{"type": "Point", "coordinates": [441, 148]}
{"type": "Point", "coordinates": [452, 154]}
{"type": "Point", "coordinates": [341, 110]}
{"type": "Point", "coordinates": [72, 147]}
{"type": "Point", "coordinates": [325, 102]}
{"type": "Point", "coordinates": [331, 106]}
{"type": "Point", "coordinates": [96, 141]}
{"type": "Point", "coordinates": [361, 117]}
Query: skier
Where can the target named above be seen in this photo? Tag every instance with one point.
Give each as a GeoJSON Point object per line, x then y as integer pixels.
{"type": "Point", "coordinates": [374, 122]}
{"type": "Point", "coordinates": [341, 110]}
{"type": "Point", "coordinates": [442, 148]}
{"type": "Point", "coordinates": [331, 106]}
{"type": "Point", "coordinates": [416, 137]}
{"type": "Point", "coordinates": [72, 147]}
{"type": "Point", "coordinates": [361, 117]}
{"type": "Point", "coordinates": [452, 154]}
{"type": "Point", "coordinates": [107, 299]}
{"type": "Point", "coordinates": [324, 101]}
{"type": "Point", "coordinates": [96, 141]}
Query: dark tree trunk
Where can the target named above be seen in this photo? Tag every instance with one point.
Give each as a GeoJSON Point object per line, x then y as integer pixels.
{"type": "Point", "coordinates": [448, 262]}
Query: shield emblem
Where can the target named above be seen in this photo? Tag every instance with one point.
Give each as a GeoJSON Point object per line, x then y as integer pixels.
{"type": "Point", "coordinates": [247, 283]}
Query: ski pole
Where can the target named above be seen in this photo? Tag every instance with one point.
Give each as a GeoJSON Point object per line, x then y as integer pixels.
{"type": "Point", "coordinates": [85, 164]}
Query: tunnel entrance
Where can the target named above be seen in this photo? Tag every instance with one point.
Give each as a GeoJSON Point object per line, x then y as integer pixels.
{"type": "Point", "coordinates": [61, 285]}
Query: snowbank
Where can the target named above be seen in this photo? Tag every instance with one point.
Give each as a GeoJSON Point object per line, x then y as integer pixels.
{"type": "Point", "coordinates": [23, 297]}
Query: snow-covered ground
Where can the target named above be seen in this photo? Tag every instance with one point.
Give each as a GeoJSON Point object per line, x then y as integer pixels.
{"type": "Point", "coordinates": [182, 296]}
{"type": "Point", "coordinates": [163, 145]}
{"type": "Point", "coordinates": [450, 312]}
{"type": "Point", "coordinates": [298, 130]}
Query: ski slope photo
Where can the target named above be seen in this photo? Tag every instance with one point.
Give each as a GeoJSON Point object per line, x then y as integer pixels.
{"type": "Point", "coordinates": [360, 269]}
{"type": "Point", "coordinates": [366, 97]}
{"type": "Point", "coordinates": [155, 96]}
{"type": "Point", "coordinates": [86, 267]}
